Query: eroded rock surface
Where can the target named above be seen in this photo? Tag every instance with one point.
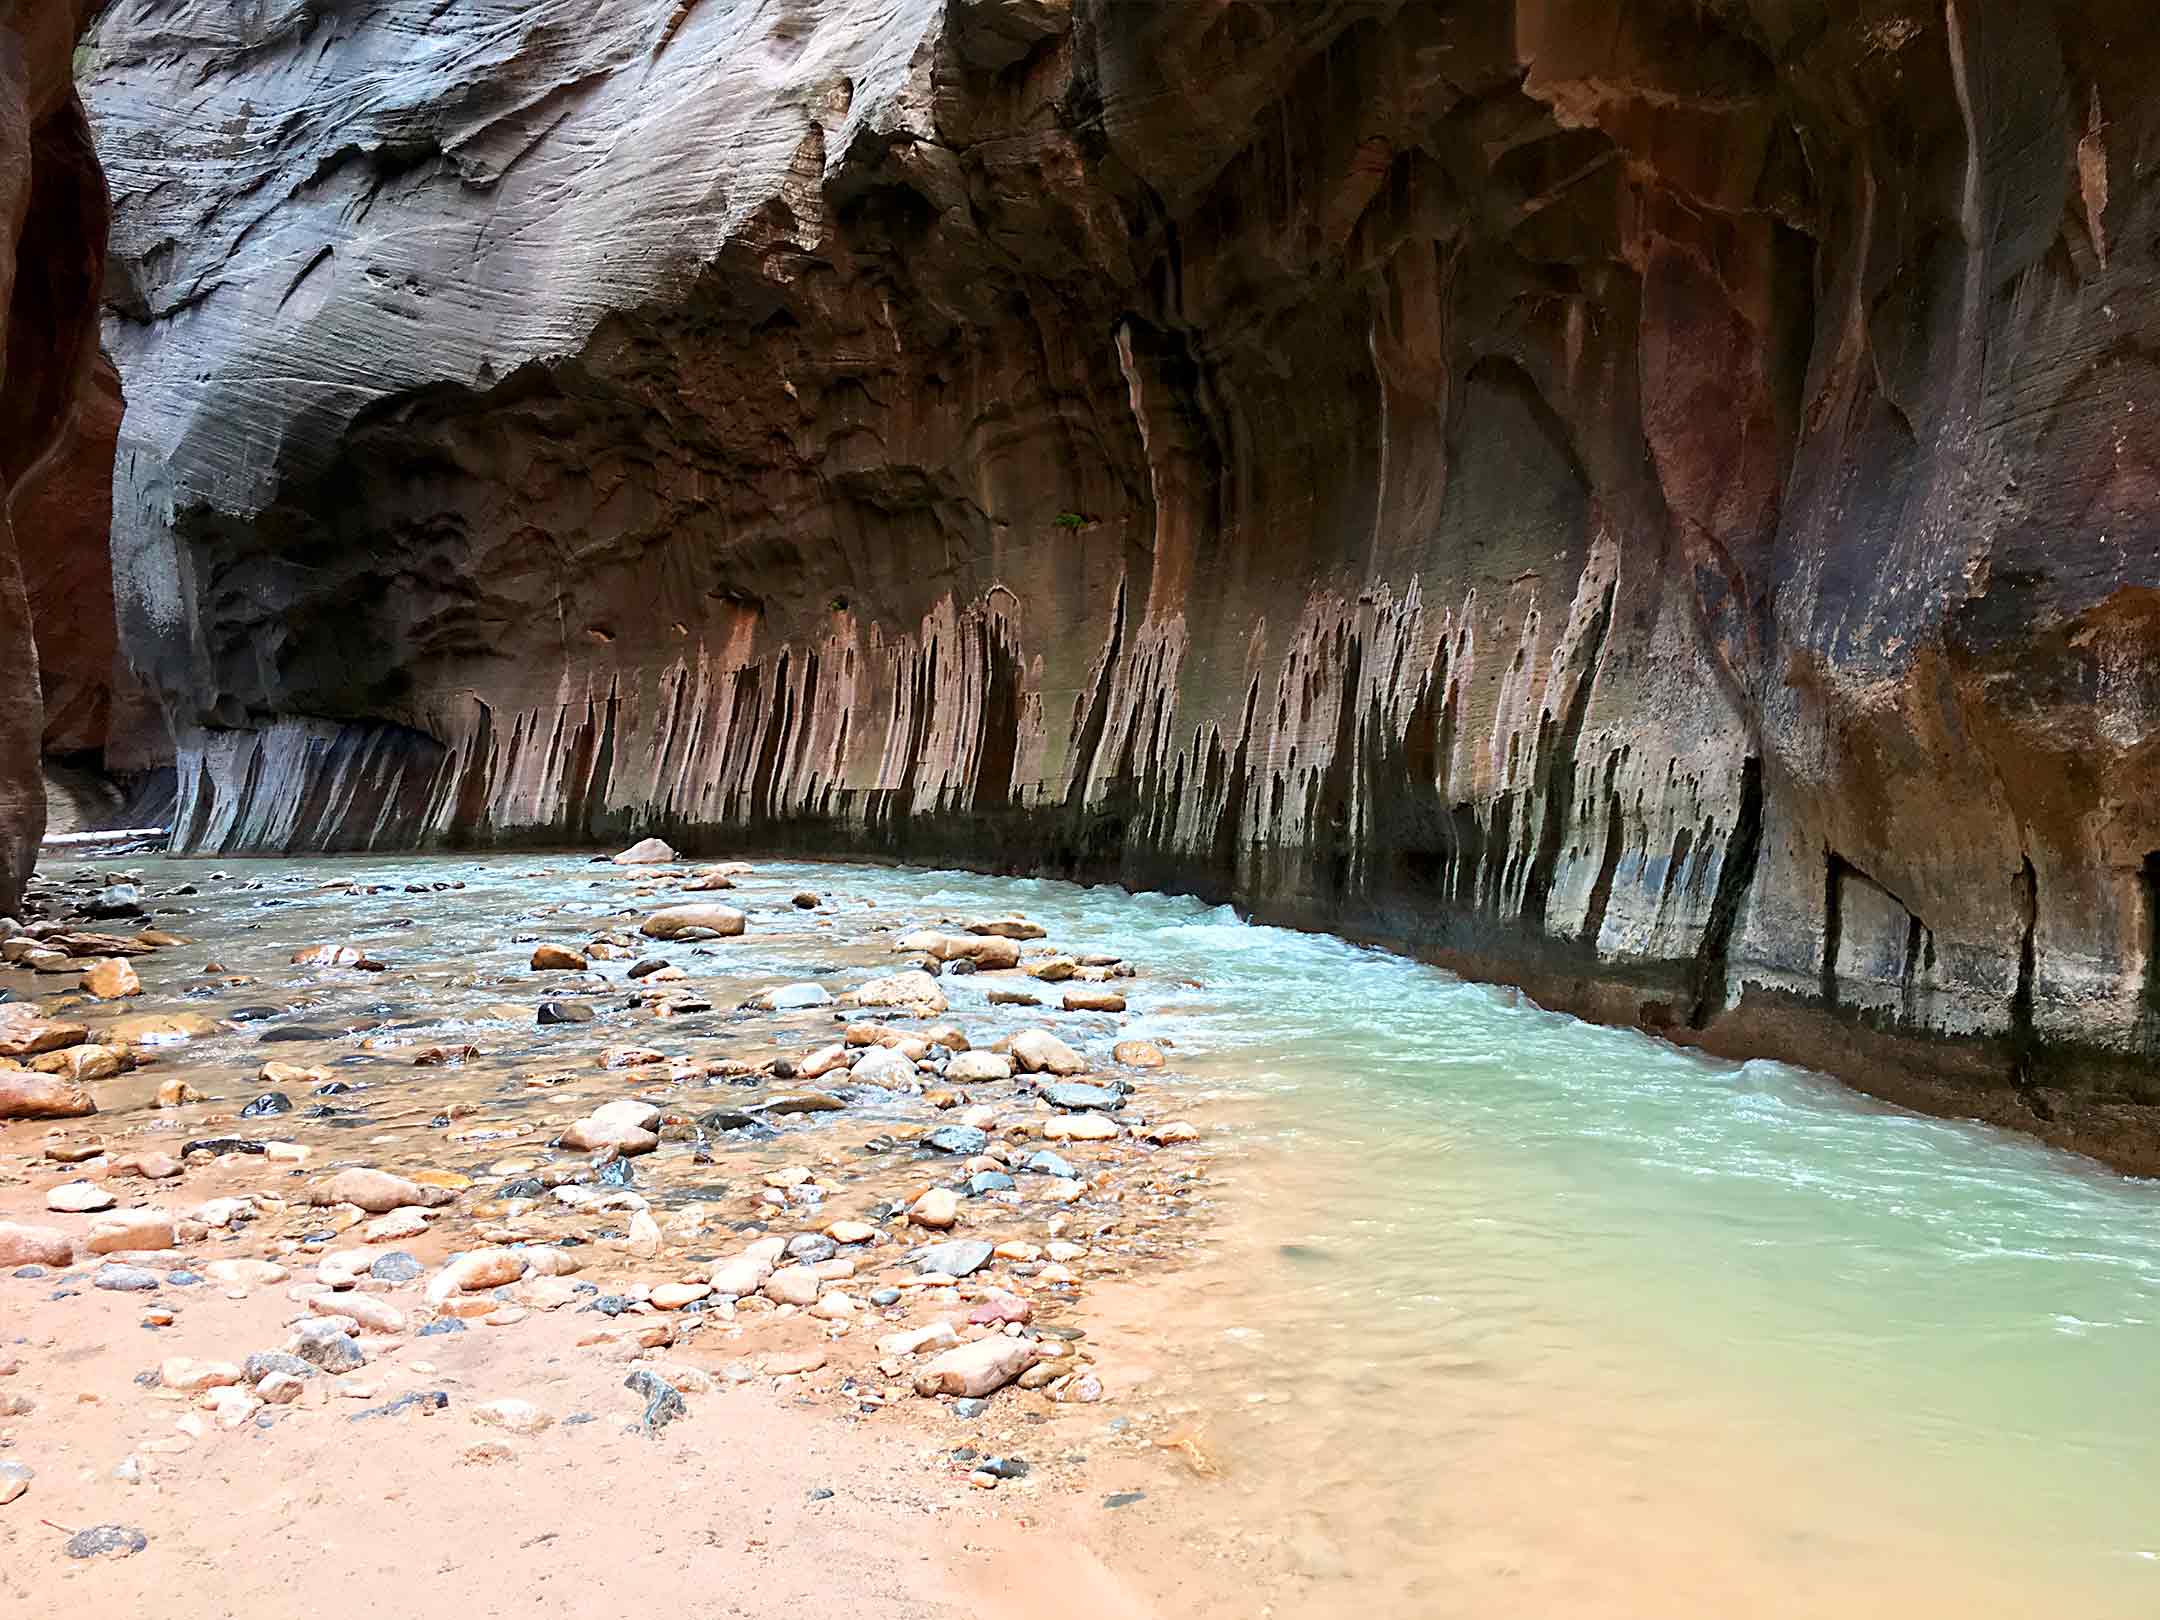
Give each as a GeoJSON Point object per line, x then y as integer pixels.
{"type": "Point", "coordinates": [1645, 502]}
{"type": "Point", "coordinates": [53, 214]}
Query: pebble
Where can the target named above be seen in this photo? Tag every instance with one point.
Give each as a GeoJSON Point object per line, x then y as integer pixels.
{"type": "Point", "coordinates": [125, 1279]}
{"type": "Point", "coordinates": [663, 1401]}
{"type": "Point", "coordinates": [519, 1417]}
{"type": "Point", "coordinates": [984, 1182]}
{"type": "Point", "coordinates": [965, 1140]}
{"type": "Point", "coordinates": [557, 958]}
{"type": "Point", "coordinates": [1050, 1164]}
{"type": "Point", "coordinates": [331, 1350]}
{"type": "Point", "coordinates": [15, 1478]}
{"type": "Point", "coordinates": [1073, 1094]}
{"type": "Point", "coordinates": [938, 1209]}
{"type": "Point", "coordinates": [1037, 1051]}
{"type": "Point", "coordinates": [78, 1198]}
{"type": "Point", "coordinates": [107, 1541]}
{"type": "Point", "coordinates": [959, 1257]}
{"type": "Point", "coordinates": [397, 1266]}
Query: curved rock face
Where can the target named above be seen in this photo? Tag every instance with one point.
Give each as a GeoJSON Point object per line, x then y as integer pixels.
{"type": "Point", "coordinates": [52, 253]}
{"type": "Point", "coordinates": [1648, 502]}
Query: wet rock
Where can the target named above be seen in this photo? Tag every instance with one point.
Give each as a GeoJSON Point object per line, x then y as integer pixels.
{"type": "Point", "coordinates": [806, 901]}
{"type": "Point", "coordinates": [557, 959]}
{"type": "Point", "coordinates": [937, 1209]}
{"type": "Point", "coordinates": [378, 1192]}
{"type": "Point", "coordinates": [987, 951]}
{"type": "Point", "coordinates": [645, 966]}
{"type": "Point", "coordinates": [269, 1103]}
{"type": "Point", "coordinates": [1094, 1001]}
{"type": "Point", "coordinates": [1037, 1051]}
{"type": "Point", "coordinates": [694, 922]}
{"type": "Point", "coordinates": [1138, 1054]}
{"type": "Point", "coordinates": [28, 1095]}
{"type": "Point", "coordinates": [1013, 927]}
{"type": "Point", "coordinates": [882, 1066]}
{"type": "Point", "coordinates": [976, 1369]}
{"type": "Point", "coordinates": [118, 900]}
{"type": "Point", "coordinates": [958, 1257]}
{"type": "Point", "coordinates": [800, 1102]}
{"type": "Point", "coordinates": [1050, 1164]}
{"type": "Point", "coordinates": [1088, 1127]}
{"type": "Point", "coordinates": [1072, 1094]}
{"type": "Point", "coordinates": [960, 1139]}
{"type": "Point", "coordinates": [1171, 1132]}
{"type": "Point", "coordinates": [22, 1245]}
{"type": "Point", "coordinates": [121, 1279]}
{"type": "Point", "coordinates": [80, 1065]}
{"type": "Point", "coordinates": [159, 1029]}
{"type": "Point", "coordinates": [111, 979]}
{"type": "Point", "coordinates": [790, 998]}
{"type": "Point", "coordinates": [985, 1182]}
{"type": "Point", "coordinates": [914, 990]}
{"type": "Point", "coordinates": [107, 1541]}
{"type": "Point", "coordinates": [978, 1068]}
{"type": "Point", "coordinates": [346, 956]}
{"type": "Point", "coordinates": [707, 882]}
{"type": "Point", "coordinates": [663, 1401]}
{"type": "Point", "coordinates": [565, 1012]}
{"type": "Point", "coordinates": [1053, 969]}
{"type": "Point", "coordinates": [594, 1135]}
{"type": "Point", "coordinates": [646, 852]}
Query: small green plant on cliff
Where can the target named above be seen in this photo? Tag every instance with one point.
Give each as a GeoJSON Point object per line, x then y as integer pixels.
{"type": "Point", "coordinates": [1072, 520]}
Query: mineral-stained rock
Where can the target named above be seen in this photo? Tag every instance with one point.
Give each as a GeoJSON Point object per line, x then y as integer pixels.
{"type": "Point", "coordinates": [1634, 500]}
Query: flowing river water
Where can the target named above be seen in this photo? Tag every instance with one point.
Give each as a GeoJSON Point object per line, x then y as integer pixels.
{"type": "Point", "coordinates": [1503, 1313]}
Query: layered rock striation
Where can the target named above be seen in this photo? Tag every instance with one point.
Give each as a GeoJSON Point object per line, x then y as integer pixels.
{"type": "Point", "coordinates": [53, 214]}
{"type": "Point", "coordinates": [1652, 503]}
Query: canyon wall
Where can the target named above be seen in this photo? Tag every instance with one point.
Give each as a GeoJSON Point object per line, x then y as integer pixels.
{"type": "Point", "coordinates": [52, 253]}
{"type": "Point", "coordinates": [1650, 502]}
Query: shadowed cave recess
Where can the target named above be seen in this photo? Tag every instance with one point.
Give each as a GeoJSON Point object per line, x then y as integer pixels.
{"type": "Point", "coordinates": [1650, 503]}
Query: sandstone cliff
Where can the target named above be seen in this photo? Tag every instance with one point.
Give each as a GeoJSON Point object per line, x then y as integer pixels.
{"type": "Point", "coordinates": [52, 254]}
{"type": "Point", "coordinates": [1652, 502]}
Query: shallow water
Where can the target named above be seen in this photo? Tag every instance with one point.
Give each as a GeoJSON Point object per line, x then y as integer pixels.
{"type": "Point", "coordinates": [1512, 1314]}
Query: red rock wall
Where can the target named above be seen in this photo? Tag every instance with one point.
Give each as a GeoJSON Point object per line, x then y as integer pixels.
{"type": "Point", "coordinates": [53, 215]}
{"type": "Point", "coordinates": [1645, 502]}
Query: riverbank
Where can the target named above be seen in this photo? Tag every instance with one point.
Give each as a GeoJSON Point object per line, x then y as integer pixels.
{"type": "Point", "coordinates": [813, 1271]}
{"type": "Point", "coordinates": [1456, 1306]}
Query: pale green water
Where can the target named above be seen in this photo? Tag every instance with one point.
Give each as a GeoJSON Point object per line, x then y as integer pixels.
{"type": "Point", "coordinates": [1520, 1316]}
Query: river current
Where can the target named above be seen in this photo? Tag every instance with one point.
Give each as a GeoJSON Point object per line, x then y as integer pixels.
{"type": "Point", "coordinates": [1507, 1314]}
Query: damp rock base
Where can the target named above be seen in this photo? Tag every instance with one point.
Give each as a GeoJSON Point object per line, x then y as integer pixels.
{"type": "Point", "coordinates": [1638, 508]}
